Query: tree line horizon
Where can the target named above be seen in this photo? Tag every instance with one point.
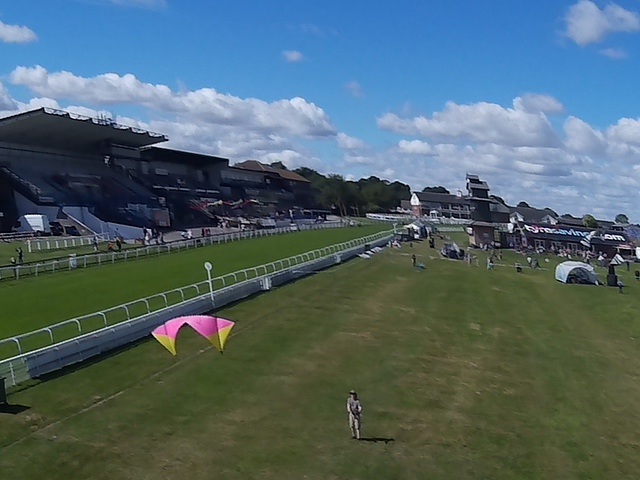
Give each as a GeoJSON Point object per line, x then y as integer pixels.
{"type": "Point", "coordinates": [375, 195]}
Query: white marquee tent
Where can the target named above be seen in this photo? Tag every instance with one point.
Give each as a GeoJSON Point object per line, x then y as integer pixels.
{"type": "Point", "coordinates": [576, 272]}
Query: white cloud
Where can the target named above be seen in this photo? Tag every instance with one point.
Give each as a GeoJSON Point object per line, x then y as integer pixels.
{"type": "Point", "coordinates": [514, 148]}
{"type": "Point", "coordinates": [292, 55]}
{"type": "Point", "coordinates": [586, 23]}
{"type": "Point", "coordinates": [354, 88]}
{"type": "Point", "coordinates": [537, 102]}
{"type": "Point", "coordinates": [417, 147]}
{"type": "Point", "coordinates": [348, 143]}
{"type": "Point", "coordinates": [16, 33]}
{"type": "Point", "coordinates": [615, 53]}
{"type": "Point", "coordinates": [626, 130]}
{"type": "Point", "coordinates": [480, 122]}
{"type": "Point", "coordinates": [582, 138]}
{"type": "Point", "coordinates": [7, 103]}
{"type": "Point", "coordinates": [293, 116]}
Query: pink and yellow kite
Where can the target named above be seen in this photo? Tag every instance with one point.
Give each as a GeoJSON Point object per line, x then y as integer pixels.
{"type": "Point", "coordinates": [215, 329]}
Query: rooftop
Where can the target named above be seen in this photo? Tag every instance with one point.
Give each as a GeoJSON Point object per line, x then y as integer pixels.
{"type": "Point", "coordinates": [441, 198]}
{"type": "Point", "coordinates": [51, 128]}
{"type": "Point", "coordinates": [257, 166]}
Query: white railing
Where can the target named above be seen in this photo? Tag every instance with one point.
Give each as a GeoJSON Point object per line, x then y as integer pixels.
{"type": "Point", "coordinates": [93, 259]}
{"type": "Point", "coordinates": [58, 243]}
{"type": "Point", "coordinates": [19, 350]}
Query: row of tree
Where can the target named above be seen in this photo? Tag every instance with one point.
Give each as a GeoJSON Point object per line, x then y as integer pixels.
{"type": "Point", "coordinates": [376, 195]}
{"type": "Point", "coordinates": [349, 197]}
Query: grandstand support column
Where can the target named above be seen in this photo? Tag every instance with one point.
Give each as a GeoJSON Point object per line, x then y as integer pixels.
{"type": "Point", "coordinates": [208, 267]}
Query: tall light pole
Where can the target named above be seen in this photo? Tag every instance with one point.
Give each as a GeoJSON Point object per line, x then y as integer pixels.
{"type": "Point", "coordinates": [208, 267]}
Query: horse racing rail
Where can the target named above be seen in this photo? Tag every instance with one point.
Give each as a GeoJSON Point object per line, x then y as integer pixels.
{"type": "Point", "coordinates": [56, 346]}
{"type": "Point", "coordinates": [57, 243]}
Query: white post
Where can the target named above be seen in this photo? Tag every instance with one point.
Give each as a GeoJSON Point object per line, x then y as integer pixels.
{"type": "Point", "coordinates": [208, 267]}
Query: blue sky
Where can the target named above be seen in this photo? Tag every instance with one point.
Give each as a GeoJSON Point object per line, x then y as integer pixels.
{"type": "Point", "coordinates": [538, 98]}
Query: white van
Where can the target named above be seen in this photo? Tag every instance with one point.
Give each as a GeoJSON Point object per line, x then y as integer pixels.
{"type": "Point", "coordinates": [33, 223]}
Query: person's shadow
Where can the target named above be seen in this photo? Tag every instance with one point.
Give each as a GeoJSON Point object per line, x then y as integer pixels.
{"type": "Point", "coordinates": [386, 440]}
{"type": "Point", "coordinates": [12, 409]}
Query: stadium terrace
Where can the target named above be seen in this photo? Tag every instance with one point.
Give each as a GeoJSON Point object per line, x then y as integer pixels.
{"type": "Point", "coordinates": [106, 177]}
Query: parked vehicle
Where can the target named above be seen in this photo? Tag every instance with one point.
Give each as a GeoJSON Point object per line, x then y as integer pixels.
{"type": "Point", "coordinates": [33, 223]}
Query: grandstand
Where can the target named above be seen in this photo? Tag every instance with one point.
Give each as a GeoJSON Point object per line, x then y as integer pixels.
{"type": "Point", "coordinates": [111, 178]}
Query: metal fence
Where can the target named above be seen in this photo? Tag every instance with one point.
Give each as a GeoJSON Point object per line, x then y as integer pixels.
{"type": "Point", "coordinates": [93, 259]}
{"type": "Point", "coordinates": [44, 350]}
{"type": "Point", "coordinates": [57, 243]}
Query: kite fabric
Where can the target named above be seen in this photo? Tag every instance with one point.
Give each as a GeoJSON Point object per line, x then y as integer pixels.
{"type": "Point", "coordinates": [214, 329]}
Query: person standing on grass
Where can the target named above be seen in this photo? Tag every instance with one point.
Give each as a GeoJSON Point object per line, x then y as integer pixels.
{"type": "Point", "coordinates": [354, 409]}
{"type": "Point", "coordinates": [15, 267]}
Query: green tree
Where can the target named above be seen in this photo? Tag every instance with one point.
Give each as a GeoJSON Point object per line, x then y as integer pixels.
{"type": "Point", "coordinates": [523, 205]}
{"type": "Point", "coordinates": [370, 194]}
{"type": "Point", "coordinates": [589, 221]}
{"type": "Point", "coordinates": [621, 218]}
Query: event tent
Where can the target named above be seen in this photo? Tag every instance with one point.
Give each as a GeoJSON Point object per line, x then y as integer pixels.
{"type": "Point", "coordinates": [576, 272]}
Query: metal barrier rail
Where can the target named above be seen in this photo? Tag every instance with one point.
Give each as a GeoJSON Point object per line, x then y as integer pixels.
{"type": "Point", "coordinates": [93, 259]}
{"type": "Point", "coordinates": [12, 236]}
{"type": "Point", "coordinates": [56, 243]}
{"type": "Point", "coordinates": [68, 329]}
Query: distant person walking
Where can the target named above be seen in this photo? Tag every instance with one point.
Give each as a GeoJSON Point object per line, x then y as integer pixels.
{"type": "Point", "coordinates": [413, 259]}
{"type": "Point", "coordinates": [354, 409]}
{"type": "Point", "coordinates": [15, 267]}
{"type": "Point", "coordinates": [20, 254]}
{"type": "Point", "coordinates": [489, 263]}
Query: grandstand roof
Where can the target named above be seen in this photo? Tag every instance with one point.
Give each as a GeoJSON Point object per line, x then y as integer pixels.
{"type": "Point", "coordinates": [257, 166]}
{"type": "Point", "coordinates": [161, 154]}
{"type": "Point", "coordinates": [51, 128]}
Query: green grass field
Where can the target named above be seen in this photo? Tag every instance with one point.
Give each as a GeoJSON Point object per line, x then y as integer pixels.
{"type": "Point", "coordinates": [463, 373]}
{"type": "Point", "coordinates": [35, 302]}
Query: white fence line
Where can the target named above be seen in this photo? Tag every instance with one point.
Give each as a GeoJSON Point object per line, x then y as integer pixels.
{"type": "Point", "coordinates": [92, 259]}
{"type": "Point", "coordinates": [56, 243]}
{"type": "Point", "coordinates": [30, 348]}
